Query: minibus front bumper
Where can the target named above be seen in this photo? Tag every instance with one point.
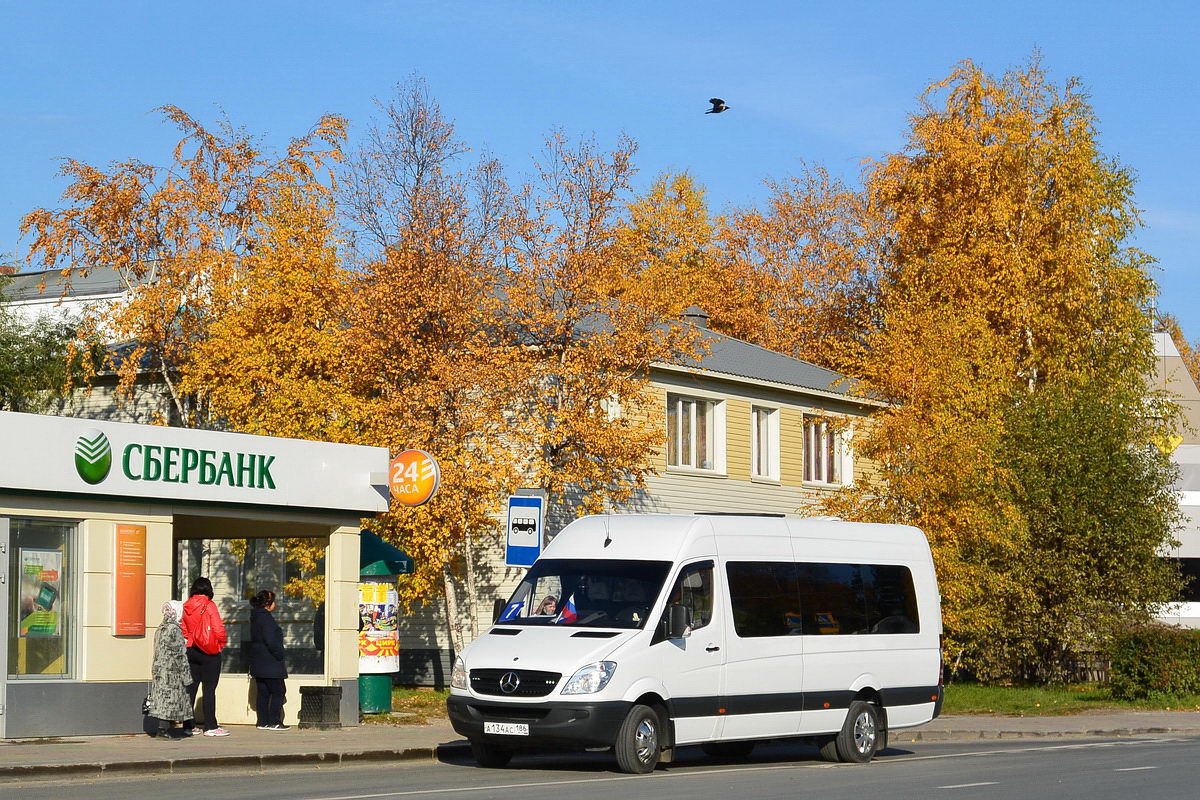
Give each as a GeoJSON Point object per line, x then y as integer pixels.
{"type": "Point", "coordinates": [550, 724]}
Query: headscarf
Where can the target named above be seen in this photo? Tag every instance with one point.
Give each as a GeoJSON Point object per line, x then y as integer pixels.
{"type": "Point", "coordinates": [172, 611]}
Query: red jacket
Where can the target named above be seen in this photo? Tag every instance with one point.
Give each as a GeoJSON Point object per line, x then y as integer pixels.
{"type": "Point", "coordinates": [196, 611]}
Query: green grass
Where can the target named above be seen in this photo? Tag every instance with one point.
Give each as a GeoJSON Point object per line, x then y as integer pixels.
{"type": "Point", "coordinates": [412, 706]}
{"type": "Point", "coordinates": [1027, 701]}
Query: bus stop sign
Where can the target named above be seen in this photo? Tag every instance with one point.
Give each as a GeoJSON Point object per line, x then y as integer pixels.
{"type": "Point", "coordinates": [523, 535]}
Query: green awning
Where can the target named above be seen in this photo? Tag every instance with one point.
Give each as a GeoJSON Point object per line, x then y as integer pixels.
{"type": "Point", "coordinates": [377, 557]}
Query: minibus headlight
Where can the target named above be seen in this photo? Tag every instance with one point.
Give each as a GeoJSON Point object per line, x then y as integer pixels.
{"type": "Point", "coordinates": [458, 675]}
{"type": "Point", "coordinates": [591, 678]}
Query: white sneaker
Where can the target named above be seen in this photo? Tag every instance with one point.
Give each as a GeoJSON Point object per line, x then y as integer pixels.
{"type": "Point", "coordinates": [216, 732]}
{"type": "Point", "coordinates": [277, 727]}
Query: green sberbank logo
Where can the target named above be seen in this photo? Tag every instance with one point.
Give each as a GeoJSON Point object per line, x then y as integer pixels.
{"type": "Point", "coordinates": [153, 463]}
{"type": "Point", "coordinates": [93, 456]}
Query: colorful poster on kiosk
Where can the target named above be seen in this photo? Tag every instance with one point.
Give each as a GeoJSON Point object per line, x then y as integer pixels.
{"type": "Point", "coordinates": [378, 634]}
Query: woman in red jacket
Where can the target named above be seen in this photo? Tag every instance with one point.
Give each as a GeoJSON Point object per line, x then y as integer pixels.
{"type": "Point", "coordinates": [204, 634]}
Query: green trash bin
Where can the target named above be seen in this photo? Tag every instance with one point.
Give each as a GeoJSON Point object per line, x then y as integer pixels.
{"type": "Point", "coordinates": [375, 694]}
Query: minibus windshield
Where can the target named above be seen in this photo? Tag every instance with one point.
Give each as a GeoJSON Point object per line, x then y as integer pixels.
{"type": "Point", "coordinates": [588, 593]}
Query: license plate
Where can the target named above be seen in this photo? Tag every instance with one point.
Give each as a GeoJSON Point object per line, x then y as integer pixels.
{"type": "Point", "coordinates": [507, 728]}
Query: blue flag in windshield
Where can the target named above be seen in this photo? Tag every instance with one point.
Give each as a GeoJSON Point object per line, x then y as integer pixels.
{"type": "Point", "coordinates": [512, 610]}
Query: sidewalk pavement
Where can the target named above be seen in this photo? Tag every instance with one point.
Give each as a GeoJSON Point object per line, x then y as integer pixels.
{"type": "Point", "coordinates": [251, 749]}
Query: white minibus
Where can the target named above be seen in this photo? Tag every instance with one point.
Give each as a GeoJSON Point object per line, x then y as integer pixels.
{"type": "Point", "coordinates": [647, 632]}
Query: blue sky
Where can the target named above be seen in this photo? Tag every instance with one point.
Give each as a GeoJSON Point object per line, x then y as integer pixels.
{"type": "Point", "coordinates": [829, 83]}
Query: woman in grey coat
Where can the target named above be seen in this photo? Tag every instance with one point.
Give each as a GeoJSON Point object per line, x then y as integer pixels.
{"type": "Point", "coordinates": [170, 673]}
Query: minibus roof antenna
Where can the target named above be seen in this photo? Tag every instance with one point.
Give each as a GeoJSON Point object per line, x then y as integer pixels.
{"type": "Point", "coordinates": [607, 537]}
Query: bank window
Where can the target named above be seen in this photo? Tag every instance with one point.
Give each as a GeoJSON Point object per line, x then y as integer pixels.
{"type": "Point", "coordinates": [40, 598]}
{"type": "Point", "coordinates": [691, 432]}
{"type": "Point", "coordinates": [764, 443]}
{"type": "Point", "coordinates": [238, 568]}
{"type": "Point", "coordinates": [824, 452]}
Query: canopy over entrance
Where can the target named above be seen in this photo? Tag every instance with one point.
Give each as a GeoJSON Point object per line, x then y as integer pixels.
{"type": "Point", "coordinates": [377, 557]}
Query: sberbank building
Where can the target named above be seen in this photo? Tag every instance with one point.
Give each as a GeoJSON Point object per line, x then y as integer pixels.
{"type": "Point", "coordinates": [101, 522]}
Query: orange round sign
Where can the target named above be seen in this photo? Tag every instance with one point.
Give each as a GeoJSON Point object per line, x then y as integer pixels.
{"type": "Point", "coordinates": [415, 477]}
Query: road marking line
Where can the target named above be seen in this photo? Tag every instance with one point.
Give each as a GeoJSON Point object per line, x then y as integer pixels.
{"type": "Point", "coordinates": [1132, 769]}
{"type": "Point", "coordinates": [700, 773]}
{"type": "Point", "coordinates": [968, 785]}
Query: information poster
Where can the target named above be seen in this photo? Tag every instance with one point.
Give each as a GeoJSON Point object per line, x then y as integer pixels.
{"type": "Point", "coordinates": [129, 581]}
{"type": "Point", "coordinates": [378, 637]}
{"type": "Point", "coordinates": [41, 589]}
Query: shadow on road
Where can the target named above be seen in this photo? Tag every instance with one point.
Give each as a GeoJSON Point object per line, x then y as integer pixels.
{"type": "Point", "coordinates": [685, 757]}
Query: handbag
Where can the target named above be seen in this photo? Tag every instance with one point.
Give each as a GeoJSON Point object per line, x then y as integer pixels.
{"type": "Point", "coordinates": [146, 706]}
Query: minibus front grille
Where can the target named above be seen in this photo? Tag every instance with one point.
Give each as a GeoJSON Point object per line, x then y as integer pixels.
{"type": "Point", "coordinates": [510, 714]}
{"type": "Point", "coordinates": [529, 682]}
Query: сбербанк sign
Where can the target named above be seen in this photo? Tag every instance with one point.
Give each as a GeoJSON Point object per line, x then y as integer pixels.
{"type": "Point", "coordinates": [116, 459]}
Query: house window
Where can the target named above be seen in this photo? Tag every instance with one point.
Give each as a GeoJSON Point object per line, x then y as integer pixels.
{"type": "Point", "coordinates": [691, 432]}
{"type": "Point", "coordinates": [764, 443]}
{"type": "Point", "coordinates": [823, 452]}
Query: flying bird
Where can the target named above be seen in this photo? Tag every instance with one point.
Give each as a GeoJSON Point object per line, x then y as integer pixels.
{"type": "Point", "coordinates": [718, 105]}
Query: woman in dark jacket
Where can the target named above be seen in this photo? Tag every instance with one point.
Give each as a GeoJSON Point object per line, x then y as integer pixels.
{"type": "Point", "coordinates": [266, 661]}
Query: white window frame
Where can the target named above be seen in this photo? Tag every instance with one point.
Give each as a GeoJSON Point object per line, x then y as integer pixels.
{"type": "Point", "coordinates": [817, 460]}
{"type": "Point", "coordinates": [716, 426]}
{"type": "Point", "coordinates": [764, 435]}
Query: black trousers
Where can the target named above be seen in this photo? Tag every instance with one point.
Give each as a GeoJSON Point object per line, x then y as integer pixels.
{"type": "Point", "coordinates": [271, 694]}
{"type": "Point", "coordinates": [206, 671]}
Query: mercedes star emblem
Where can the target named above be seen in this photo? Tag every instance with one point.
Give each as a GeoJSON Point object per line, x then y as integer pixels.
{"type": "Point", "coordinates": [509, 682]}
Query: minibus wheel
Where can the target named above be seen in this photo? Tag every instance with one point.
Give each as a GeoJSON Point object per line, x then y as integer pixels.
{"type": "Point", "coordinates": [728, 749]}
{"type": "Point", "coordinates": [859, 737]}
{"type": "Point", "coordinates": [488, 755]}
{"type": "Point", "coordinates": [639, 740]}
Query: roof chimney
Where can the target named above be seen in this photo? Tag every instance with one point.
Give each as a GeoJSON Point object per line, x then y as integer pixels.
{"type": "Point", "coordinates": [696, 316]}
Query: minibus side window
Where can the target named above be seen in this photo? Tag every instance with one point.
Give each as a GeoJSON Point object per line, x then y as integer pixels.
{"type": "Point", "coordinates": [834, 599]}
{"type": "Point", "coordinates": [892, 602]}
{"type": "Point", "coordinates": [694, 590]}
{"type": "Point", "coordinates": [764, 598]}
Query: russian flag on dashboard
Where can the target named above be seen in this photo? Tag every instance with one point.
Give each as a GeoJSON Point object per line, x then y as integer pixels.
{"type": "Point", "coordinates": [568, 611]}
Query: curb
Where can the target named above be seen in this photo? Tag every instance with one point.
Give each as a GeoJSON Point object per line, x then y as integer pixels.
{"type": "Point", "coordinates": [266, 763]}
{"type": "Point", "coordinates": [258, 763]}
{"type": "Point", "coordinates": [968, 735]}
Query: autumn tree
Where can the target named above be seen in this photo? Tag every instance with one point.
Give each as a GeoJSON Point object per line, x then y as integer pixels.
{"type": "Point", "coordinates": [801, 271]}
{"type": "Point", "coordinates": [1010, 333]}
{"type": "Point", "coordinates": [426, 352]}
{"type": "Point", "coordinates": [586, 351]}
{"type": "Point", "coordinates": [174, 236]}
{"type": "Point", "coordinates": [660, 258]}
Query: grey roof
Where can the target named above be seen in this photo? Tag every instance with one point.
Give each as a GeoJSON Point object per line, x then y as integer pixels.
{"type": "Point", "coordinates": [741, 359]}
{"type": "Point", "coordinates": [28, 285]}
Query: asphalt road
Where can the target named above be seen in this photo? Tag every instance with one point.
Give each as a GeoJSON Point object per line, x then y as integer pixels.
{"type": "Point", "coordinates": [1146, 768]}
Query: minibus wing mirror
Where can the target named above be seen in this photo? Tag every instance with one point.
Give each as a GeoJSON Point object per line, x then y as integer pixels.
{"type": "Point", "coordinates": [677, 621]}
{"type": "Point", "coordinates": [497, 608]}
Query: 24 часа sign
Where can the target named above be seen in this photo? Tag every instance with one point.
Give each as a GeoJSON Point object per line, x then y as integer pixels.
{"type": "Point", "coordinates": [63, 454]}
